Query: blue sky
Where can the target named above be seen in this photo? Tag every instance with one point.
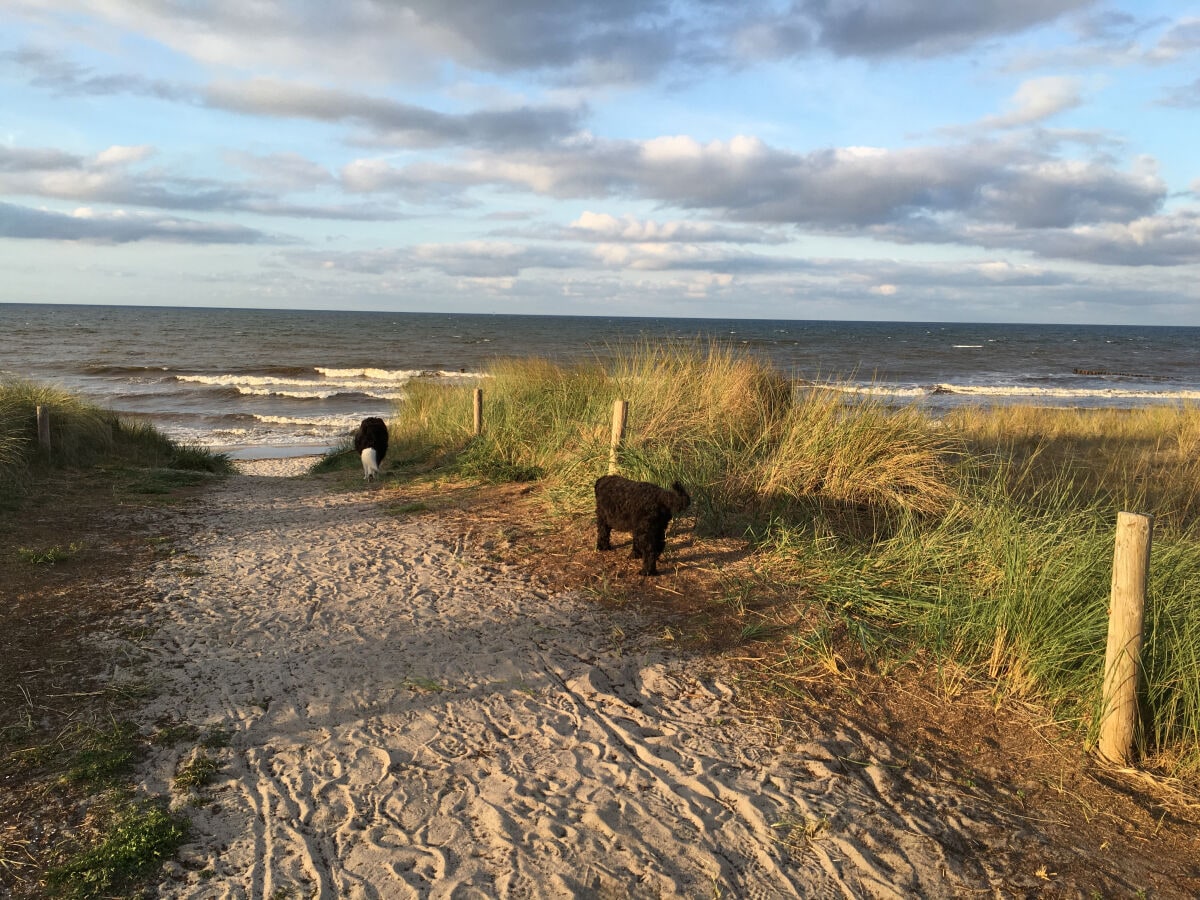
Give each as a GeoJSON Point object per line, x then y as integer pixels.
{"type": "Point", "coordinates": [993, 160]}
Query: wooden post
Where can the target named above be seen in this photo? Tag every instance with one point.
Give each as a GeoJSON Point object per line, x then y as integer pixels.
{"type": "Point", "coordinates": [620, 414]}
{"type": "Point", "coordinates": [1126, 614]}
{"type": "Point", "coordinates": [478, 400]}
{"type": "Point", "coordinates": [43, 427]}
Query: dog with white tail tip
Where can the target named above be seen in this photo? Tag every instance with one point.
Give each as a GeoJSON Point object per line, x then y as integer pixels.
{"type": "Point", "coordinates": [371, 443]}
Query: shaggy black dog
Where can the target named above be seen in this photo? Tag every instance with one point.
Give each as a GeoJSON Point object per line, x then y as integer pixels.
{"type": "Point", "coordinates": [370, 442]}
{"type": "Point", "coordinates": [640, 507]}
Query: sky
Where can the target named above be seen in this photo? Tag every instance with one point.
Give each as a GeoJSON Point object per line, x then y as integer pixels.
{"type": "Point", "coordinates": [905, 160]}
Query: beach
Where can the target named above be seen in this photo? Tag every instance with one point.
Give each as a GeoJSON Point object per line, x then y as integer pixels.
{"type": "Point", "coordinates": [400, 716]}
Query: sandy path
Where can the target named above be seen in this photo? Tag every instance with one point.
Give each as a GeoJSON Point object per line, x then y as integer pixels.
{"type": "Point", "coordinates": [408, 719]}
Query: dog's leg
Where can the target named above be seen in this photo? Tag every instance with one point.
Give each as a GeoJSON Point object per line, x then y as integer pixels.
{"type": "Point", "coordinates": [643, 544]}
{"type": "Point", "coordinates": [603, 534]}
{"type": "Point", "coordinates": [370, 463]}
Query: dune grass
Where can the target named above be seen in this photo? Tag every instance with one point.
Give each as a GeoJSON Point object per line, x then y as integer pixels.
{"type": "Point", "coordinates": [717, 419]}
{"type": "Point", "coordinates": [1131, 458]}
{"type": "Point", "coordinates": [82, 436]}
{"type": "Point", "coordinates": [981, 541]}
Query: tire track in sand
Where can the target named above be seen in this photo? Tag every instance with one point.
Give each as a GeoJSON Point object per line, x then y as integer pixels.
{"type": "Point", "coordinates": [408, 720]}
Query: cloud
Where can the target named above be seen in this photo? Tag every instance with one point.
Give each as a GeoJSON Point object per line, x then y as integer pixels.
{"type": "Point", "coordinates": [1184, 96]}
{"type": "Point", "coordinates": [122, 156]}
{"type": "Point", "coordinates": [973, 193]}
{"type": "Point", "coordinates": [1181, 39]}
{"type": "Point", "coordinates": [509, 260]}
{"type": "Point", "coordinates": [491, 259]}
{"type": "Point", "coordinates": [109, 179]}
{"type": "Point", "coordinates": [67, 78]}
{"type": "Point", "coordinates": [836, 189]}
{"type": "Point", "coordinates": [36, 159]}
{"type": "Point", "coordinates": [983, 193]}
{"type": "Point", "coordinates": [1036, 100]}
{"type": "Point", "coordinates": [468, 259]}
{"type": "Point", "coordinates": [602, 227]}
{"type": "Point", "coordinates": [1162, 240]}
{"type": "Point", "coordinates": [612, 39]}
{"type": "Point", "coordinates": [1061, 194]}
{"type": "Point", "coordinates": [112, 176]}
{"type": "Point", "coordinates": [659, 256]}
{"type": "Point", "coordinates": [283, 171]}
{"type": "Point", "coordinates": [876, 28]}
{"type": "Point", "coordinates": [1109, 38]}
{"type": "Point", "coordinates": [391, 122]}
{"type": "Point", "coordinates": [383, 121]}
{"type": "Point", "coordinates": [582, 42]}
{"type": "Point", "coordinates": [119, 227]}
{"type": "Point", "coordinates": [1165, 239]}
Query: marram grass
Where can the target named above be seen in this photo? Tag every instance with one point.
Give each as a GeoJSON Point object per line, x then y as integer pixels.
{"type": "Point", "coordinates": [983, 539]}
{"type": "Point", "coordinates": [1132, 458]}
{"type": "Point", "coordinates": [81, 435]}
{"type": "Point", "coordinates": [715, 418]}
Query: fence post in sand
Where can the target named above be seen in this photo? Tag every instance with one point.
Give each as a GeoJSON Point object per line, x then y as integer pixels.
{"type": "Point", "coordinates": [1126, 615]}
{"type": "Point", "coordinates": [43, 427]}
{"type": "Point", "coordinates": [478, 401]}
{"type": "Point", "coordinates": [620, 414]}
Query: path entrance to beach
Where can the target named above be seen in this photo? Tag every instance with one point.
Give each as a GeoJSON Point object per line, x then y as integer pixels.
{"type": "Point", "coordinates": [390, 714]}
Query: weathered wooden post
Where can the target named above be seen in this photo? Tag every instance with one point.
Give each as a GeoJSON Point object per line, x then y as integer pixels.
{"type": "Point", "coordinates": [620, 414]}
{"type": "Point", "coordinates": [1126, 615]}
{"type": "Point", "coordinates": [43, 427]}
{"type": "Point", "coordinates": [478, 401]}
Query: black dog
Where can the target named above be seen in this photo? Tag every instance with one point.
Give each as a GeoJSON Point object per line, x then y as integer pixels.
{"type": "Point", "coordinates": [640, 507]}
{"type": "Point", "coordinates": [370, 442]}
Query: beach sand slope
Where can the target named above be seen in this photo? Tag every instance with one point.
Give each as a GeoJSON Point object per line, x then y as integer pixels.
{"type": "Point", "coordinates": [402, 717]}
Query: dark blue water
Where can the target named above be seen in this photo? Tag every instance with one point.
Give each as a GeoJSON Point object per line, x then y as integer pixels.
{"type": "Point", "coordinates": [281, 381]}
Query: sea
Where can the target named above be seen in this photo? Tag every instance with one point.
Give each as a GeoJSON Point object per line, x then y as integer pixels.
{"type": "Point", "coordinates": [276, 383]}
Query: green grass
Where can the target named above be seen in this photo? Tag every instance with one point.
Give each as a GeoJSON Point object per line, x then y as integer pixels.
{"type": "Point", "coordinates": [200, 771]}
{"type": "Point", "coordinates": [138, 838]}
{"type": "Point", "coordinates": [84, 436]}
{"type": "Point", "coordinates": [103, 754]}
{"type": "Point", "coordinates": [125, 841]}
{"type": "Point", "coordinates": [982, 541]}
{"type": "Point", "coordinates": [93, 755]}
{"type": "Point", "coordinates": [720, 421]}
{"type": "Point", "coordinates": [50, 556]}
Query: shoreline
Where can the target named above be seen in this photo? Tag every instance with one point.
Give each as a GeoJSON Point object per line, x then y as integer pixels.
{"type": "Point", "coordinates": [250, 452]}
{"type": "Point", "coordinates": [275, 467]}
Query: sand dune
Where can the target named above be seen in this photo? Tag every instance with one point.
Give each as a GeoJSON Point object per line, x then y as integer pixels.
{"type": "Point", "coordinates": [405, 718]}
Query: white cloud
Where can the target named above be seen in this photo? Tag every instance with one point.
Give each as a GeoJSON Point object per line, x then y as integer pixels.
{"type": "Point", "coordinates": [584, 42]}
{"type": "Point", "coordinates": [119, 227]}
{"type": "Point", "coordinates": [592, 226]}
{"type": "Point", "coordinates": [122, 156]}
{"type": "Point", "coordinates": [1037, 100]}
{"type": "Point", "coordinates": [937, 193]}
{"type": "Point", "coordinates": [1181, 39]}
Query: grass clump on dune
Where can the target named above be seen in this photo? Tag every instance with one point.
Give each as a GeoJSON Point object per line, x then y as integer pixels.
{"type": "Point", "coordinates": [1137, 459]}
{"type": "Point", "coordinates": [981, 542]}
{"type": "Point", "coordinates": [82, 436]}
{"type": "Point", "coordinates": [718, 420]}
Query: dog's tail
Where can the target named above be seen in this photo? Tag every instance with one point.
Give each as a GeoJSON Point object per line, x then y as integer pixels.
{"type": "Point", "coordinates": [682, 499]}
{"type": "Point", "coordinates": [370, 461]}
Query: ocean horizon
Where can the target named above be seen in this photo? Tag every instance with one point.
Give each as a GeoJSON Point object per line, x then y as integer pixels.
{"type": "Point", "coordinates": [260, 382]}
